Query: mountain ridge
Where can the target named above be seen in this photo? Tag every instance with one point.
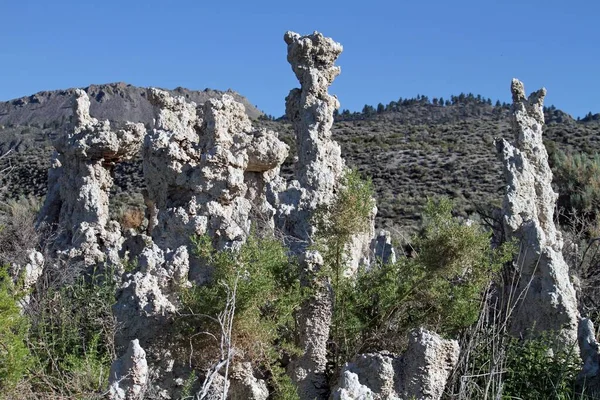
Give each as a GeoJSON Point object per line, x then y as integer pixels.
{"type": "Point", "coordinates": [118, 101]}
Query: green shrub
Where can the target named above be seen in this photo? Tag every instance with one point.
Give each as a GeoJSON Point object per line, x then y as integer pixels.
{"type": "Point", "coordinates": [456, 262]}
{"type": "Point", "coordinates": [15, 358]}
{"type": "Point", "coordinates": [267, 295]}
{"type": "Point", "coordinates": [348, 215]}
{"type": "Point", "coordinates": [72, 335]}
{"type": "Point", "coordinates": [577, 179]}
{"type": "Point", "coordinates": [440, 288]}
{"type": "Point", "coordinates": [535, 371]}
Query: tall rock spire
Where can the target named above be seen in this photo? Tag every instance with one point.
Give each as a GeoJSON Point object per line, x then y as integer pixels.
{"type": "Point", "coordinates": [549, 302]}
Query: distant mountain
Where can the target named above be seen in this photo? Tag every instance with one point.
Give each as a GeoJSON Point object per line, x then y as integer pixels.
{"type": "Point", "coordinates": [112, 101]}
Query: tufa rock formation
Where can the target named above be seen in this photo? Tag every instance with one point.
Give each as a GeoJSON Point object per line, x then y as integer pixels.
{"type": "Point", "coordinates": [382, 249]}
{"type": "Point", "coordinates": [208, 171]}
{"type": "Point", "coordinates": [421, 373]}
{"type": "Point", "coordinates": [310, 109]}
{"type": "Point", "coordinates": [199, 165]}
{"type": "Point", "coordinates": [317, 174]}
{"type": "Point", "coordinates": [549, 302]}
{"type": "Point", "coordinates": [245, 386]}
{"type": "Point", "coordinates": [79, 182]}
{"type": "Point", "coordinates": [588, 379]}
{"type": "Point", "coordinates": [128, 377]}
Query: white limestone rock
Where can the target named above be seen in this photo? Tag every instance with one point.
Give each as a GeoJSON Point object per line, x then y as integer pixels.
{"type": "Point", "coordinates": [310, 109]}
{"type": "Point", "coordinates": [196, 163]}
{"type": "Point", "coordinates": [128, 377]}
{"type": "Point", "coordinates": [427, 365]}
{"type": "Point", "coordinates": [382, 249]}
{"type": "Point", "coordinates": [420, 373]}
{"type": "Point", "coordinates": [549, 303]}
{"type": "Point", "coordinates": [318, 172]}
{"type": "Point", "coordinates": [79, 182]}
{"type": "Point", "coordinates": [350, 388]}
{"type": "Point", "coordinates": [588, 349]}
{"type": "Point", "coordinates": [244, 385]}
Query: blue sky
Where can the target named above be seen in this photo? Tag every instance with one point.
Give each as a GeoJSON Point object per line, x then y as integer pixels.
{"type": "Point", "coordinates": [392, 49]}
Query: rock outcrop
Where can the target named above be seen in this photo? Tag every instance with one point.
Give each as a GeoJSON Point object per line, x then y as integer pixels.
{"type": "Point", "coordinates": [318, 174]}
{"type": "Point", "coordinates": [310, 109]}
{"type": "Point", "coordinates": [207, 172]}
{"type": "Point", "coordinates": [198, 166]}
{"type": "Point", "coordinates": [244, 385]}
{"type": "Point", "coordinates": [79, 183]}
{"type": "Point", "coordinates": [548, 302]}
{"type": "Point", "coordinates": [382, 249]}
{"type": "Point", "coordinates": [420, 373]}
{"type": "Point", "coordinates": [318, 171]}
{"type": "Point", "coordinates": [588, 380]}
{"type": "Point", "coordinates": [128, 377]}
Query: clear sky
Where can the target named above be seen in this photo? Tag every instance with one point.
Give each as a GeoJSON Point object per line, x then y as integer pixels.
{"type": "Point", "coordinates": [392, 49]}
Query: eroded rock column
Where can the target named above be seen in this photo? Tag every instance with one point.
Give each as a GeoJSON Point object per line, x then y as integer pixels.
{"type": "Point", "coordinates": [548, 302]}
{"type": "Point", "coordinates": [317, 176]}
{"type": "Point", "coordinates": [79, 182]}
{"type": "Point", "coordinates": [310, 109]}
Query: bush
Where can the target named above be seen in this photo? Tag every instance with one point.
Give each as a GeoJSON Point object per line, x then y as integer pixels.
{"type": "Point", "coordinates": [348, 215]}
{"type": "Point", "coordinates": [496, 365]}
{"type": "Point", "coordinates": [15, 358]}
{"type": "Point", "coordinates": [440, 288]}
{"type": "Point", "coordinates": [267, 293]}
{"type": "Point", "coordinates": [17, 232]}
{"type": "Point", "coordinates": [535, 371]}
{"type": "Point", "coordinates": [72, 335]}
{"type": "Point", "coordinates": [577, 179]}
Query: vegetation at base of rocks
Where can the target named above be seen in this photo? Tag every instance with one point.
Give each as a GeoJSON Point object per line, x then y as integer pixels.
{"type": "Point", "coordinates": [533, 368]}
{"type": "Point", "coordinates": [72, 333]}
{"type": "Point", "coordinates": [495, 365]}
{"type": "Point", "coordinates": [439, 287]}
{"type": "Point", "coordinates": [267, 294]}
{"type": "Point", "coordinates": [17, 232]}
{"type": "Point", "coordinates": [15, 358]}
{"type": "Point", "coordinates": [347, 216]}
{"type": "Point", "coordinates": [64, 343]}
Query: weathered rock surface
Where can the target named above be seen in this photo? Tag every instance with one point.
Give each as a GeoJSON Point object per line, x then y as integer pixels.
{"type": "Point", "coordinates": [208, 171]}
{"type": "Point", "coordinates": [79, 183]}
{"type": "Point", "coordinates": [128, 378]}
{"type": "Point", "coordinates": [588, 379]}
{"type": "Point", "coordinates": [244, 385]}
{"type": "Point", "coordinates": [196, 163]}
{"type": "Point", "coordinates": [350, 388]}
{"type": "Point", "coordinates": [317, 176]}
{"type": "Point", "coordinates": [310, 109]}
{"type": "Point", "coordinates": [427, 364]}
{"type": "Point", "coordinates": [549, 302]}
{"type": "Point", "coordinates": [32, 271]}
{"type": "Point", "coordinates": [382, 249]}
{"type": "Point", "coordinates": [314, 322]}
{"type": "Point", "coordinates": [421, 373]}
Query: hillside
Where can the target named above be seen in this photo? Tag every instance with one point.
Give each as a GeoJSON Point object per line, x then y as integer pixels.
{"type": "Point", "coordinates": [418, 150]}
{"type": "Point", "coordinates": [113, 101]}
{"type": "Point", "coordinates": [412, 149]}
